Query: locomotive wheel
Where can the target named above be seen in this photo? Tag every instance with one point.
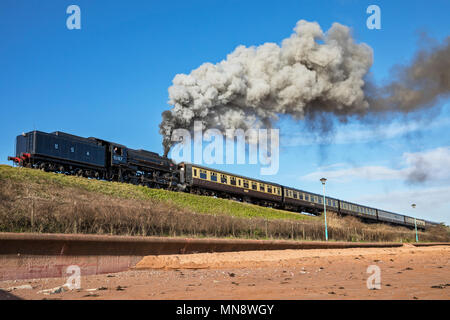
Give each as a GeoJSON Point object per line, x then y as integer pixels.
{"type": "Point", "coordinates": [79, 173]}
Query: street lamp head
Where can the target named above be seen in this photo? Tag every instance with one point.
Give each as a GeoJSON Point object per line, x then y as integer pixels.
{"type": "Point", "coordinates": [323, 180]}
{"type": "Point", "coordinates": [413, 205]}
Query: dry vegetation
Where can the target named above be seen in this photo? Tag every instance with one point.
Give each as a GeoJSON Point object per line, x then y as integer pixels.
{"type": "Point", "coordinates": [34, 201]}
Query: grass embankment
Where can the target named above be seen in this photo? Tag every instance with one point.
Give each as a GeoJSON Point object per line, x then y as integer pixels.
{"type": "Point", "coordinates": [36, 201]}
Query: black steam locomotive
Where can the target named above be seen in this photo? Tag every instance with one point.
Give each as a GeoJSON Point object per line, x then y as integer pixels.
{"type": "Point", "coordinates": [96, 158]}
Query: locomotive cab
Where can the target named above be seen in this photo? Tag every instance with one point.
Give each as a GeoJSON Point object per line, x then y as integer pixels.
{"type": "Point", "coordinates": [118, 154]}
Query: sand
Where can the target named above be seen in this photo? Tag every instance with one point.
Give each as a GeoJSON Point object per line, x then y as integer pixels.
{"type": "Point", "coordinates": [405, 273]}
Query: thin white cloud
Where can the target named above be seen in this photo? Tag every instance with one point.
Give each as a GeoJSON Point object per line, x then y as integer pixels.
{"type": "Point", "coordinates": [350, 174]}
{"type": "Point", "coordinates": [432, 203]}
{"type": "Point", "coordinates": [432, 165]}
{"type": "Point", "coordinates": [360, 133]}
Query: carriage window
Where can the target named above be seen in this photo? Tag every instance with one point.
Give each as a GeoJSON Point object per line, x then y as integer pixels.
{"type": "Point", "coordinates": [275, 190]}
{"type": "Point", "coordinates": [254, 186]}
{"type": "Point", "coordinates": [245, 184]}
{"type": "Point", "coordinates": [203, 174]}
{"type": "Point", "coordinates": [279, 191]}
{"type": "Point", "coordinates": [195, 172]}
{"type": "Point", "coordinates": [72, 149]}
{"type": "Point", "coordinates": [87, 153]}
{"type": "Point", "coordinates": [56, 146]}
{"type": "Point", "coordinates": [261, 187]}
{"type": "Point", "coordinates": [269, 189]}
{"type": "Point", "coordinates": [223, 179]}
{"type": "Point", "coordinates": [320, 200]}
{"type": "Point", "coordinates": [239, 182]}
{"type": "Point", "coordinates": [233, 181]}
{"type": "Point", "coordinates": [213, 176]}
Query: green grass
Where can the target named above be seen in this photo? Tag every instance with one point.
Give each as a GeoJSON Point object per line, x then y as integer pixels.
{"type": "Point", "coordinates": [194, 203]}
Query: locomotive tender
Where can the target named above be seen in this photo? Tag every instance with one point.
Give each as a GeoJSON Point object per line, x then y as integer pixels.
{"type": "Point", "coordinates": [99, 159]}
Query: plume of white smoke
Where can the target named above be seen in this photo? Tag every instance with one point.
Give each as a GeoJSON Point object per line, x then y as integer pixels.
{"type": "Point", "coordinates": [311, 74]}
{"type": "Point", "coordinates": [254, 85]}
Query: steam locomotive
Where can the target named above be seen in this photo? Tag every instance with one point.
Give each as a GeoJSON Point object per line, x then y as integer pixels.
{"type": "Point", "coordinates": [100, 159]}
{"type": "Point", "coordinates": [94, 158]}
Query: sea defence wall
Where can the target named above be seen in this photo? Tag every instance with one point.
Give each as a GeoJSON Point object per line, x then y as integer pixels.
{"type": "Point", "coordinates": [30, 256]}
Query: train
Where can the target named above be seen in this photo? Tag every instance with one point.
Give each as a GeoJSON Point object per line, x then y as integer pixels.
{"type": "Point", "coordinates": [96, 158]}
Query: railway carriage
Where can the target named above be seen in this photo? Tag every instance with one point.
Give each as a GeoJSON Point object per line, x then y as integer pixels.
{"type": "Point", "coordinates": [300, 200]}
{"type": "Point", "coordinates": [410, 222]}
{"type": "Point", "coordinates": [429, 224]}
{"type": "Point", "coordinates": [357, 210]}
{"type": "Point", "coordinates": [391, 217]}
{"type": "Point", "coordinates": [207, 181]}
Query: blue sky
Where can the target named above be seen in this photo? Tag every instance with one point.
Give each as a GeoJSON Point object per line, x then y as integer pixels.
{"type": "Point", "coordinates": [110, 80]}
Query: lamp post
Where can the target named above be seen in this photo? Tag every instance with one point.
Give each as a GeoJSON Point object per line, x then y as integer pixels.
{"type": "Point", "coordinates": [323, 180]}
{"type": "Point", "coordinates": [415, 223]}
